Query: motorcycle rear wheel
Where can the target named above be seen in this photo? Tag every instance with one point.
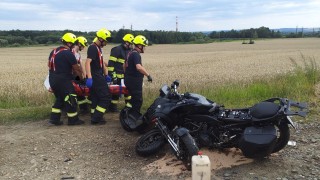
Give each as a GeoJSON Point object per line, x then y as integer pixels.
{"type": "Point", "coordinates": [150, 143]}
{"type": "Point", "coordinates": [283, 137]}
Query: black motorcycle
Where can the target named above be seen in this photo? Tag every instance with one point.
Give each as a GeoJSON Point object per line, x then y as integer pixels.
{"type": "Point", "coordinates": [258, 130]}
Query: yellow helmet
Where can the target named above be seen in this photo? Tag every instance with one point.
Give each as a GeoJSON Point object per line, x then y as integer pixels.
{"type": "Point", "coordinates": [140, 40]}
{"type": "Point", "coordinates": [104, 34]}
{"type": "Point", "coordinates": [69, 38]}
{"type": "Point", "coordinates": [128, 38]}
{"type": "Point", "coordinates": [83, 41]}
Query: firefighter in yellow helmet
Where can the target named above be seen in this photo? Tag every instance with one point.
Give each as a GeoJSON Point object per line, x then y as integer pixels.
{"type": "Point", "coordinates": [117, 58]}
{"type": "Point", "coordinates": [80, 44]}
{"type": "Point", "coordinates": [97, 77]}
{"type": "Point", "coordinates": [62, 63]}
{"type": "Point", "coordinates": [134, 73]}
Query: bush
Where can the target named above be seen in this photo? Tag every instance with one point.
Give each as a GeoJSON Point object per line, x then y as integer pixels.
{"type": "Point", "coordinates": [15, 45]}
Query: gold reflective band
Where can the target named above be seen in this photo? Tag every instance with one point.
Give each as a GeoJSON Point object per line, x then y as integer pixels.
{"type": "Point", "coordinates": [114, 101]}
{"type": "Point", "coordinates": [82, 101]}
{"type": "Point", "coordinates": [72, 114]}
{"type": "Point", "coordinates": [67, 97]}
{"type": "Point", "coordinates": [121, 60]}
{"type": "Point", "coordinates": [55, 110]}
{"type": "Point", "coordinates": [112, 58]}
{"type": "Point", "coordinates": [101, 109]}
{"type": "Point", "coordinates": [128, 105]}
{"type": "Point", "coordinates": [120, 76]}
{"type": "Point", "coordinates": [110, 68]}
{"type": "Point", "coordinates": [127, 98]}
{"type": "Point", "coordinates": [92, 111]}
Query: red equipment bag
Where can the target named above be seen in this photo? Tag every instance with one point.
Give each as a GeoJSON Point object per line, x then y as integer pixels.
{"type": "Point", "coordinates": [115, 89]}
{"type": "Point", "coordinates": [83, 90]}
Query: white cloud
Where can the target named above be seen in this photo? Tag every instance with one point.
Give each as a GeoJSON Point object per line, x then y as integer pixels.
{"type": "Point", "coordinates": [192, 15]}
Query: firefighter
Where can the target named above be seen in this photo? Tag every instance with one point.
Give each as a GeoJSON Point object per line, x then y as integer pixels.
{"type": "Point", "coordinates": [97, 77]}
{"type": "Point", "coordinates": [62, 64]}
{"type": "Point", "coordinates": [80, 44]}
{"type": "Point", "coordinates": [134, 73]}
{"type": "Point", "coordinates": [118, 55]}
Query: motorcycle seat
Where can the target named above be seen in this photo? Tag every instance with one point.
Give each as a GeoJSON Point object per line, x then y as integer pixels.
{"type": "Point", "coordinates": [264, 110]}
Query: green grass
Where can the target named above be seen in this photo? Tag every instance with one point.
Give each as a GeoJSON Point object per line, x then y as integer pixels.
{"type": "Point", "coordinates": [24, 114]}
{"type": "Point", "coordinates": [298, 85]}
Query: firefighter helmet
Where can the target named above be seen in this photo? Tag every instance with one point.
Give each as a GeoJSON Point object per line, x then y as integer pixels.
{"type": "Point", "coordinates": [128, 38]}
{"type": "Point", "coordinates": [83, 41]}
{"type": "Point", "coordinates": [69, 38]}
{"type": "Point", "coordinates": [140, 40]}
{"type": "Point", "coordinates": [104, 34]}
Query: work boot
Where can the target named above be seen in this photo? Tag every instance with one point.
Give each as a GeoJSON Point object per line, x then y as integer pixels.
{"type": "Point", "coordinates": [113, 108]}
{"type": "Point", "coordinates": [74, 121]}
{"type": "Point", "coordinates": [56, 123]}
{"type": "Point", "coordinates": [97, 118]}
{"type": "Point", "coordinates": [55, 119]}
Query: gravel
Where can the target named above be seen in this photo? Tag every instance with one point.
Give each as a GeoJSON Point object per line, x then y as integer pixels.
{"type": "Point", "coordinates": [35, 150]}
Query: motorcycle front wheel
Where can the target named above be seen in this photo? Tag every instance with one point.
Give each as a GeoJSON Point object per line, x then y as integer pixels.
{"type": "Point", "coordinates": [122, 117]}
{"type": "Point", "coordinates": [283, 136]}
{"type": "Point", "coordinates": [189, 148]}
{"type": "Point", "coordinates": [150, 143]}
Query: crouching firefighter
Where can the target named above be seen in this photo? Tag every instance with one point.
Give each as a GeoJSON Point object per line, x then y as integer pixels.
{"type": "Point", "coordinates": [117, 58]}
{"type": "Point", "coordinates": [62, 63]}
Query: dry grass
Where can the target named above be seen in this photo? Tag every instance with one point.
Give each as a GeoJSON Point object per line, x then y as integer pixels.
{"type": "Point", "coordinates": [23, 70]}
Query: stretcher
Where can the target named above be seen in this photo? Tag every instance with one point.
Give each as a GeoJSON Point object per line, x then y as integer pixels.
{"type": "Point", "coordinates": [82, 90]}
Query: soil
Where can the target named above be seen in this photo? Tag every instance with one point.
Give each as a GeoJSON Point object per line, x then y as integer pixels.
{"type": "Point", "coordinates": [36, 150]}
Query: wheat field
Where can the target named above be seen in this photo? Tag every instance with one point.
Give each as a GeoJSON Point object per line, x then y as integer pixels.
{"type": "Point", "coordinates": [24, 69]}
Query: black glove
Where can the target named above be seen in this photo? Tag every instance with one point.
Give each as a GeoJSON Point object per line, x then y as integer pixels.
{"type": "Point", "coordinates": [149, 78]}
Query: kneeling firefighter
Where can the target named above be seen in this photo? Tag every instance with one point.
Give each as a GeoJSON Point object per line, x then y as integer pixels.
{"type": "Point", "coordinates": [62, 64]}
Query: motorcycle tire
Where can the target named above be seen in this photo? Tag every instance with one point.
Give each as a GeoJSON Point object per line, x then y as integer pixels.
{"type": "Point", "coordinates": [283, 137]}
{"type": "Point", "coordinates": [150, 143]}
{"type": "Point", "coordinates": [190, 149]}
{"type": "Point", "coordinates": [123, 115]}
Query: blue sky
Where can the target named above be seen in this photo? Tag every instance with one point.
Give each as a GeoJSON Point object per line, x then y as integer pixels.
{"type": "Point", "coordinates": [193, 15]}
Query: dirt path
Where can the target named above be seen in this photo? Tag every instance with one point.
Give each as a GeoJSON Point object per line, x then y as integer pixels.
{"type": "Point", "coordinates": [35, 150]}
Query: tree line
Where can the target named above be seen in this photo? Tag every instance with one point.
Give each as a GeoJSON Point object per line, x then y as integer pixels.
{"type": "Point", "coordinates": [15, 38]}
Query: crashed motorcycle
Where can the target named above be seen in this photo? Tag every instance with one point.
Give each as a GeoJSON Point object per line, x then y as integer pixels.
{"type": "Point", "coordinates": [257, 131]}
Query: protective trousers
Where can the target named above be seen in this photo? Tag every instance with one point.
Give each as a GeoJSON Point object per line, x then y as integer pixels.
{"type": "Point", "coordinates": [83, 103]}
{"type": "Point", "coordinates": [100, 98]}
{"type": "Point", "coordinates": [115, 97]}
{"type": "Point", "coordinates": [134, 86]}
{"type": "Point", "coordinates": [65, 98]}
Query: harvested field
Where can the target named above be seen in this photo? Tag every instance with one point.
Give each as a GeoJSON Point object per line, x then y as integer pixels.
{"type": "Point", "coordinates": [25, 68]}
{"type": "Point", "coordinates": [34, 150]}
